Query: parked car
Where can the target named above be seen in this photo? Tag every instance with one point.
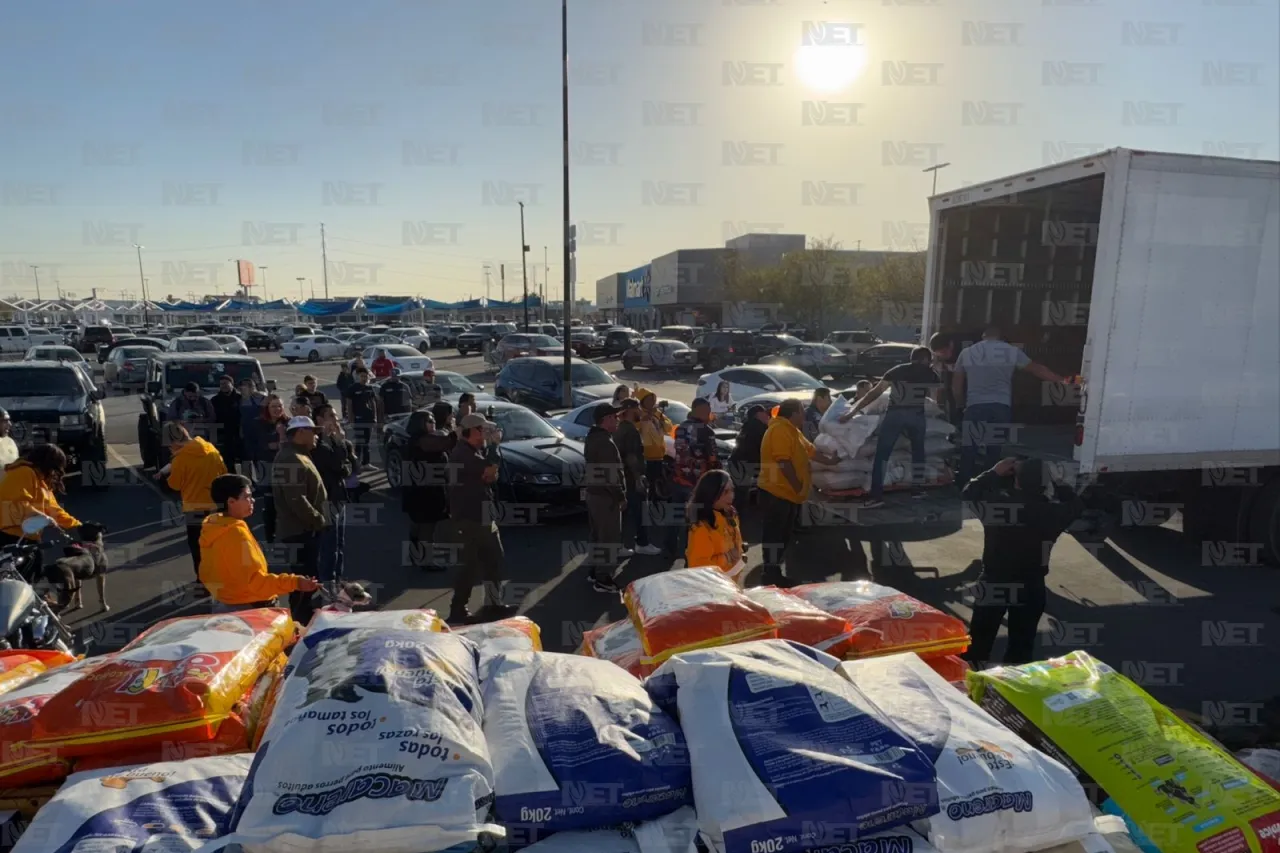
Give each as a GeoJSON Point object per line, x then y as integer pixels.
{"type": "Point", "coordinates": [258, 339]}
{"type": "Point", "coordinates": [126, 366]}
{"type": "Point", "coordinates": [356, 346]}
{"type": "Point", "coordinates": [585, 343]}
{"type": "Point", "coordinates": [289, 332]}
{"type": "Point", "coordinates": [404, 358]}
{"type": "Point", "coordinates": [194, 344]}
{"type": "Point", "coordinates": [546, 329]}
{"type": "Point", "coordinates": [618, 341]}
{"type": "Point", "coordinates": [717, 349]}
{"type": "Point", "coordinates": [660, 354]}
{"type": "Point", "coordinates": [63, 354]}
{"type": "Point", "coordinates": [678, 333]}
{"type": "Point", "coordinates": [453, 385]}
{"type": "Point", "coordinates": [519, 344]}
{"type": "Point", "coordinates": [539, 470]}
{"type": "Point", "coordinates": [89, 338]}
{"type": "Point", "coordinates": [817, 360]}
{"type": "Point", "coordinates": [480, 334]}
{"type": "Point", "coordinates": [104, 351]}
{"type": "Point", "coordinates": [575, 423]}
{"type": "Point", "coordinates": [853, 344]}
{"type": "Point", "coordinates": [19, 339]}
{"type": "Point", "coordinates": [377, 329]}
{"type": "Point", "coordinates": [771, 344]}
{"type": "Point", "coordinates": [749, 381]}
{"type": "Point", "coordinates": [875, 361]}
{"type": "Point", "coordinates": [414, 336]}
{"type": "Point", "coordinates": [538, 382]}
{"type": "Point", "coordinates": [313, 348]}
{"type": "Point", "coordinates": [793, 329]}
{"type": "Point", "coordinates": [54, 402]}
{"type": "Point", "coordinates": [231, 344]}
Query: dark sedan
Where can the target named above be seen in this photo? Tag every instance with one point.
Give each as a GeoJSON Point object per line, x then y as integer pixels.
{"type": "Point", "coordinates": [104, 350]}
{"type": "Point", "coordinates": [540, 472]}
{"type": "Point", "coordinates": [874, 362]}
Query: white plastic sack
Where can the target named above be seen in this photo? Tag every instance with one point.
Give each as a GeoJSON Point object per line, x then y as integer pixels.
{"type": "Point", "coordinates": [783, 749]}
{"type": "Point", "coordinates": [673, 833]}
{"type": "Point", "coordinates": [855, 473]}
{"type": "Point", "coordinates": [837, 840]}
{"type": "Point", "coordinates": [577, 744]}
{"type": "Point", "coordinates": [166, 807]}
{"type": "Point", "coordinates": [857, 437]}
{"type": "Point", "coordinates": [374, 746]}
{"type": "Point", "coordinates": [997, 794]}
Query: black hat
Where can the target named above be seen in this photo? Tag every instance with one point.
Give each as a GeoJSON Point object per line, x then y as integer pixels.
{"type": "Point", "coordinates": [604, 410]}
{"type": "Point", "coordinates": [629, 403]}
{"type": "Point", "coordinates": [191, 386]}
{"type": "Point", "coordinates": [755, 409]}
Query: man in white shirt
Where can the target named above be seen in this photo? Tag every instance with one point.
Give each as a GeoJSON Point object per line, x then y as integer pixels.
{"type": "Point", "coordinates": [982, 382]}
{"type": "Point", "coordinates": [8, 447]}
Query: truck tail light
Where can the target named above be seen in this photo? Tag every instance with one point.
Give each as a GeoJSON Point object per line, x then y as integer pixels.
{"type": "Point", "coordinates": [1079, 435]}
{"type": "Point", "coordinates": [732, 350]}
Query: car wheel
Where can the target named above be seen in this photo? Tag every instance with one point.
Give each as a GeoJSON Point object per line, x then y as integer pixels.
{"type": "Point", "coordinates": [461, 351]}
{"type": "Point", "coordinates": [423, 347]}
{"type": "Point", "coordinates": [313, 356]}
{"type": "Point", "coordinates": [714, 363]}
{"type": "Point", "coordinates": [93, 464]}
{"type": "Point", "coordinates": [395, 467]}
{"type": "Point", "coordinates": [628, 364]}
{"type": "Point", "coordinates": [146, 442]}
{"type": "Point", "coordinates": [289, 359]}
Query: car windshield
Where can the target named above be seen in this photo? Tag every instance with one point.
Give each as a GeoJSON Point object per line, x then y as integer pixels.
{"type": "Point", "coordinates": [520, 424]}
{"type": "Point", "coordinates": [198, 345]}
{"type": "Point", "coordinates": [504, 328]}
{"type": "Point", "coordinates": [795, 380]}
{"type": "Point", "coordinates": [585, 373]}
{"type": "Point", "coordinates": [830, 350]}
{"type": "Point", "coordinates": [403, 352]}
{"type": "Point", "coordinates": [206, 373]}
{"type": "Point", "coordinates": [543, 341]}
{"type": "Point", "coordinates": [789, 340]}
{"type": "Point", "coordinates": [137, 352]}
{"type": "Point", "coordinates": [34, 382]}
{"type": "Point", "coordinates": [455, 383]}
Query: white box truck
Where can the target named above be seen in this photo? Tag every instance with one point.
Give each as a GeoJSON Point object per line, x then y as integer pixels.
{"type": "Point", "coordinates": [1155, 279]}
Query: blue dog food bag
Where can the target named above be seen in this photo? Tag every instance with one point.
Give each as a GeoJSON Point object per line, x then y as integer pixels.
{"type": "Point", "coordinates": [375, 745]}
{"type": "Point", "coordinates": [784, 751]}
{"type": "Point", "coordinates": [578, 744]}
{"type": "Point", "coordinates": [167, 807]}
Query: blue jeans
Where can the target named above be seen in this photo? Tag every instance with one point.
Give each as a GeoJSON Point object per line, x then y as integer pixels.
{"type": "Point", "coordinates": [983, 426]}
{"type": "Point", "coordinates": [333, 540]}
{"type": "Point", "coordinates": [894, 423]}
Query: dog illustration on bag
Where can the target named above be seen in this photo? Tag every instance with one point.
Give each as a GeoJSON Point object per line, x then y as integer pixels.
{"type": "Point", "coordinates": [371, 661]}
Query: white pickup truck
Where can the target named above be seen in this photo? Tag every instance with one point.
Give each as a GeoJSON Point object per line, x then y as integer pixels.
{"type": "Point", "coordinates": [19, 339]}
{"type": "Point", "coordinates": [1155, 279]}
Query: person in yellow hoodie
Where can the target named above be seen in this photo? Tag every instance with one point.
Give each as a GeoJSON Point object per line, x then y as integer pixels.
{"type": "Point", "coordinates": [195, 465]}
{"type": "Point", "coordinates": [29, 488]}
{"type": "Point", "coordinates": [715, 538]}
{"type": "Point", "coordinates": [232, 566]}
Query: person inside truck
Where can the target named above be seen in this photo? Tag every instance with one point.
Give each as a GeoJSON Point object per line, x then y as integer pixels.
{"type": "Point", "coordinates": [982, 383]}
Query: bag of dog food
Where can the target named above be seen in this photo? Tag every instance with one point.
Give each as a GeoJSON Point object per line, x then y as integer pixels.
{"type": "Point", "coordinates": [618, 643]}
{"type": "Point", "coordinates": [996, 794]}
{"type": "Point", "coordinates": [165, 807]}
{"type": "Point", "coordinates": [576, 744]}
{"type": "Point", "coordinates": [886, 621]}
{"type": "Point", "coordinates": [21, 706]}
{"type": "Point", "coordinates": [176, 682]}
{"type": "Point", "coordinates": [783, 749]}
{"type": "Point", "coordinates": [673, 833]}
{"type": "Point", "coordinates": [22, 665]}
{"type": "Point", "coordinates": [232, 739]}
{"type": "Point", "coordinates": [692, 609]}
{"type": "Point", "coordinates": [517, 634]}
{"type": "Point", "coordinates": [800, 621]}
{"type": "Point", "coordinates": [1179, 791]}
{"type": "Point", "coordinates": [952, 667]}
{"type": "Point", "coordinates": [375, 743]}
{"type": "Point", "coordinates": [255, 701]}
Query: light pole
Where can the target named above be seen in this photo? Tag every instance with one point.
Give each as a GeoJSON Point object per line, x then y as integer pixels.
{"type": "Point", "coordinates": [143, 279]}
{"type": "Point", "coordinates": [35, 270]}
{"type": "Point", "coordinates": [300, 279]}
{"type": "Point", "coordinates": [524, 266]}
{"type": "Point", "coordinates": [546, 282]}
{"type": "Point", "coordinates": [568, 293]}
{"type": "Point", "coordinates": [264, 283]}
{"type": "Point", "coordinates": [934, 168]}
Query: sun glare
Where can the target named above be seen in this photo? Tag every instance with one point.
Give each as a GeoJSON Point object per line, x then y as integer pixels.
{"type": "Point", "coordinates": [830, 68]}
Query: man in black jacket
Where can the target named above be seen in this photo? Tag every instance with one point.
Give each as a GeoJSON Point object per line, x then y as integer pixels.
{"type": "Point", "coordinates": [606, 499]}
{"type": "Point", "coordinates": [335, 458]}
{"type": "Point", "coordinates": [1022, 515]}
{"type": "Point", "coordinates": [631, 449]}
{"type": "Point", "coordinates": [744, 462]}
{"type": "Point", "coordinates": [226, 410]}
{"type": "Point", "coordinates": [424, 495]}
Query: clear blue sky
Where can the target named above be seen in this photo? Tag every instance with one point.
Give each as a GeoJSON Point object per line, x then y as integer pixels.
{"type": "Point", "coordinates": [252, 111]}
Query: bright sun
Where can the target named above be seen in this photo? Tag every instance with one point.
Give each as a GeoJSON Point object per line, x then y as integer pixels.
{"type": "Point", "coordinates": [829, 68]}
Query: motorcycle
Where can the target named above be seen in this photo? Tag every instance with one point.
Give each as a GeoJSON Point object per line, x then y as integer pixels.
{"type": "Point", "coordinates": [26, 619]}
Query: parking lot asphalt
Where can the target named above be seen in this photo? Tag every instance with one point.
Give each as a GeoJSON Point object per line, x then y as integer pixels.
{"type": "Point", "coordinates": [1201, 638]}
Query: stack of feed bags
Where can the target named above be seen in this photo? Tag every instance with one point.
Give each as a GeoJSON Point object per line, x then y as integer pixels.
{"type": "Point", "coordinates": [855, 444]}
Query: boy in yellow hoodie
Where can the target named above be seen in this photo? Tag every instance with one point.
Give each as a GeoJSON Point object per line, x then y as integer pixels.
{"type": "Point", "coordinates": [28, 488]}
{"type": "Point", "coordinates": [233, 567]}
{"type": "Point", "coordinates": [194, 465]}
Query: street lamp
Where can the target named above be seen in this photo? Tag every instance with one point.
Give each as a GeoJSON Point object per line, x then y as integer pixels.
{"type": "Point", "coordinates": [264, 283]}
{"type": "Point", "coordinates": [143, 279]}
{"type": "Point", "coordinates": [568, 226]}
{"type": "Point", "coordinates": [300, 279]}
{"type": "Point", "coordinates": [934, 168]}
{"type": "Point", "coordinates": [35, 269]}
{"type": "Point", "coordinates": [524, 266]}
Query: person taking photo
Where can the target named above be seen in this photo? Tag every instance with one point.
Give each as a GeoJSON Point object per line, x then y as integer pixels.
{"type": "Point", "coordinates": [194, 465]}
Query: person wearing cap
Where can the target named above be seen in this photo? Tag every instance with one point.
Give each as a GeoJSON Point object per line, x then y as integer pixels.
{"type": "Point", "coordinates": [606, 498]}
{"type": "Point", "coordinates": [383, 366]}
{"type": "Point", "coordinates": [395, 395]}
{"type": "Point", "coordinates": [300, 499]}
{"type": "Point", "coordinates": [426, 391]}
{"type": "Point", "coordinates": [631, 449]}
{"type": "Point", "coordinates": [784, 484]}
{"type": "Point", "coordinates": [226, 410]}
{"type": "Point", "coordinates": [335, 459]}
{"type": "Point", "coordinates": [744, 462]}
{"type": "Point", "coordinates": [8, 447]}
{"type": "Point", "coordinates": [474, 526]}
{"type": "Point", "coordinates": [362, 406]}
{"type": "Point", "coordinates": [194, 465]}
{"type": "Point", "coordinates": [424, 494]}
{"type": "Point", "coordinates": [696, 454]}
{"type": "Point", "coordinates": [190, 408]}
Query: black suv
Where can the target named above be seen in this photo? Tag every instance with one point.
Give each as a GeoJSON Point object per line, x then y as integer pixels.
{"type": "Point", "coordinates": [55, 403]}
{"type": "Point", "coordinates": [474, 340]}
{"type": "Point", "coordinates": [618, 341]}
{"type": "Point", "coordinates": [94, 335]}
{"type": "Point", "coordinates": [725, 347]}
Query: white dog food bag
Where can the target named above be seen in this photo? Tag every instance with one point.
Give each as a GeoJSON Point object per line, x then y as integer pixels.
{"type": "Point", "coordinates": [375, 744]}
{"type": "Point", "coordinates": [673, 833]}
{"type": "Point", "coordinates": [166, 807]}
{"type": "Point", "coordinates": [577, 743]}
{"type": "Point", "coordinates": [997, 793]}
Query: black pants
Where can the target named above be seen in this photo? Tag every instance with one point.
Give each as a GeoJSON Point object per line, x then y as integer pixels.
{"type": "Point", "coordinates": [604, 538]}
{"type": "Point", "coordinates": [195, 523]}
{"type": "Point", "coordinates": [362, 438]}
{"type": "Point", "coordinates": [777, 529]}
{"type": "Point", "coordinates": [1021, 594]}
{"type": "Point", "coordinates": [304, 559]}
{"type": "Point", "coordinates": [482, 561]}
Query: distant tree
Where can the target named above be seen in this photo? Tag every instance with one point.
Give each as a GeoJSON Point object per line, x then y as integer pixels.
{"type": "Point", "coordinates": [891, 292]}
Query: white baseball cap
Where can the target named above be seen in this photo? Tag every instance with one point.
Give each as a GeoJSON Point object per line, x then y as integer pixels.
{"type": "Point", "coordinates": [300, 422]}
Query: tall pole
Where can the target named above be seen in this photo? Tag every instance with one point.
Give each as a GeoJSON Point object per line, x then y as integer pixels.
{"type": "Point", "coordinates": [264, 283]}
{"type": "Point", "coordinates": [502, 280]}
{"type": "Point", "coordinates": [312, 282]}
{"type": "Point", "coordinates": [143, 279]}
{"type": "Point", "coordinates": [300, 279]}
{"type": "Point", "coordinates": [546, 281]}
{"type": "Point", "coordinates": [568, 293]}
{"type": "Point", "coordinates": [487, 270]}
{"type": "Point", "coordinates": [934, 168]}
{"type": "Point", "coordinates": [524, 266]}
{"type": "Point", "coordinates": [324, 261]}
{"type": "Point", "coordinates": [35, 269]}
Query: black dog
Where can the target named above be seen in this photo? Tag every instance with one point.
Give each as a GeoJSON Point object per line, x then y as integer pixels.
{"type": "Point", "coordinates": [80, 561]}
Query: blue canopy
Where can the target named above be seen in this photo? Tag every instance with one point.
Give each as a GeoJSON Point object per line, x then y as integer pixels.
{"type": "Point", "coordinates": [393, 307]}
{"type": "Point", "coordinates": [533, 302]}
{"type": "Point", "coordinates": [188, 306]}
{"type": "Point", "coordinates": [312, 308]}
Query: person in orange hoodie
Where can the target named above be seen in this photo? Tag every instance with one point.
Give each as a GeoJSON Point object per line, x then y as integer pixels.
{"type": "Point", "coordinates": [28, 488]}
{"type": "Point", "coordinates": [715, 538]}
{"type": "Point", "coordinates": [195, 465]}
{"type": "Point", "coordinates": [232, 566]}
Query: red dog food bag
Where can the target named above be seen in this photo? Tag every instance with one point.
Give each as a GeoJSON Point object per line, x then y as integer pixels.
{"type": "Point", "coordinates": [800, 621]}
{"type": "Point", "coordinates": [21, 665]}
{"type": "Point", "coordinates": [689, 609]}
{"type": "Point", "coordinates": [619, 644]}
{"type": "Point", "coordinates": [178, 681]}
{"type": "Point", "coordinates": [885, 621]}
{"type": "Point", "coordinates": [951, 667]}
{"type": "Point", "coordinates": [21, 764]}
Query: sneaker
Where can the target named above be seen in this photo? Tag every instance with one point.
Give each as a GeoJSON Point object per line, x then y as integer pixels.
{"type": "Point", "coordinates": [623, 553]}
{"type": "Point", "coordinates": [605, 585]}
{"type": "Point", "coordinates": [494, 613]}
{"type": "Point", "coordinates": [460, 617]}
{"type": "Point", "coordinates": [648, 550]}
{"type": "Point", "coordinates": [871, 503]}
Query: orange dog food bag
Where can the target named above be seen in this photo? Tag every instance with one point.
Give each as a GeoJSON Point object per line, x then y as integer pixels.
{"type": "Point", "coordinates": [22, 764]}
{"type": "Point", "coordinates": [19, 666]}
{"type": "Point", "coordinates": [689, 609]}
{"type": "Point", "coordinates": [176, 682]}
{"type": "Point", "coordinates": [886, 621]}
{"type": "Point", "coordinates": [800, 621]}
{"type": "Point", "coordinates": [619, 644]}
